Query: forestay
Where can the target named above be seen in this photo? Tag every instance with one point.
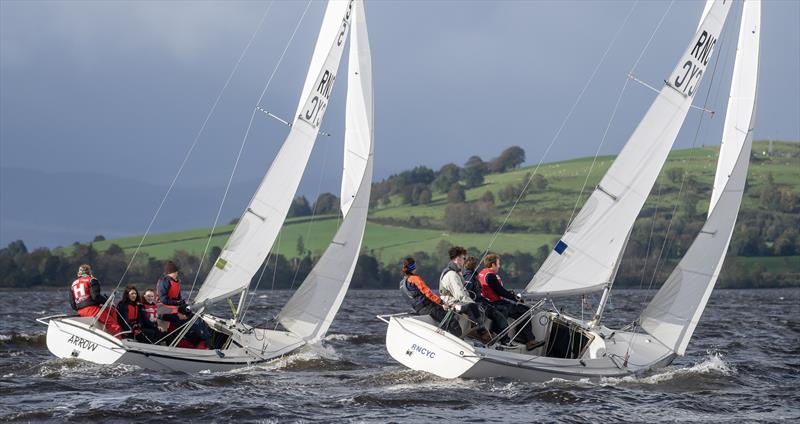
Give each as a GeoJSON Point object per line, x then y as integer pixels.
{"type": "Point", "coordinates": [585, 257]}
{"type": "Point", "coordinates": [258, 227]}
{"type": "Point", "coordinates": [310, 311]}
{"type": "Point", "coordinates": [674, 312]}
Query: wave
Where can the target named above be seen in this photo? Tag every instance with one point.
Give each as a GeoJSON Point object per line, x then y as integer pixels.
{"type": "Point", "coordinates": [713, 365]}
{"type": "Point", "coordinates": [24, 339]}
{"type": "Point", "coordinates": [355, 338]}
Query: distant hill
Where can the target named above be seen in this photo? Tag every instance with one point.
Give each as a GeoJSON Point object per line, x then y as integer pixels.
{"type": "Point", "coordinates": [396, 229]}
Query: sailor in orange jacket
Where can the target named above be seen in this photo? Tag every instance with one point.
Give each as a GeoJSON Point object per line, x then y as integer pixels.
{"type": "Point", "coordinates": [423, 300]}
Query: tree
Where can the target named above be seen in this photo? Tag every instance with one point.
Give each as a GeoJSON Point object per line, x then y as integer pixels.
{"type": "Point", "coordinates": [299, 207]}
{"type": "Point", "coordinates": [327, 203]}
{"type": "Point", "coordinates": [508, 193]}
{"type": "Point", "coordinates": [301, 246]}
{"type": "Point", "coordinates": [475, 161]}
{"type": "Point", "coordinates": [446, 177]}
{"type": "Point", "coordinates": [787, 200]}
{"type": "Point", "coordinates": [425, 197]}
{"type": "Point", "coordinates": [539, 183]}
{"type": "Point", "coordinates": [770, 197]}
{"type": "Point", "coordinates": [473, 176]}
{"type": "Point", "coordinates": [488, 197]}
{"type": "Point", "coordinates": [456, 194]}
{"type": "Point", "coordinates": [675, 175]}
{"type": "Point", "coordinates": [98, 237]}
{"type": "Point", "coordinates": [510, 158]}
{"type": "Point", "coordinates": [476, 217]}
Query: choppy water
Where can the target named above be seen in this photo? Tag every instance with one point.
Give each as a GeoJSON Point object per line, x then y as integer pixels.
{"type": "Point", "coordinates": [743, 365]}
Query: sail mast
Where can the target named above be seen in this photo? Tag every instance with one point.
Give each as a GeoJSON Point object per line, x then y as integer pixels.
{"type": "Point", "coordinates": [258, 227]}
{"type": "Point", "coordinates": [310, 311]}
{"type": "Point", "coordinates": [675, 310]}
{"type": "Point", "coordinates": [584, 259]}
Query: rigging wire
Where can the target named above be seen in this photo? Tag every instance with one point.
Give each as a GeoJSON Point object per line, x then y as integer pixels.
{"type": "Point", "coordinates": [614, 111]}
{"type": "Point", "coordinates": [558, 132]}
{"type": "Point", "coordinates": [244, 142]}
{"type": "Point", "coordinates": [194, 143]}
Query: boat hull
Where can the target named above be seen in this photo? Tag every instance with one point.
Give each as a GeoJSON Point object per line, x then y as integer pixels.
{"type": "Point", "coordinates": [418, 344]}
{"type": "Point", "coordinates": [74, 337]}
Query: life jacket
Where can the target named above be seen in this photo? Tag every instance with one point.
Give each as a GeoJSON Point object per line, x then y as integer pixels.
{"type": "Point", "coordinates": [81, 292]}
{"type": "Point", "coordinates": [150, 311]}
{"type": "Point", "coordinates": [133, 315]}
{"type": "Point", "coordinates": [174, 292]}
{"type": "Point", "coordinates": [486, 290]}
{"type": "Point", "coordinates": [412, 292]}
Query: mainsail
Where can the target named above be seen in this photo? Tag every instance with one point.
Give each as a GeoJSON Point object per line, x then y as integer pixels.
{"type": "Point", "coordinates": [310, 311]}
{"type": "Point", "coordinates": [258, 227]}
{"type": "Point", "coordinates": [585, 258]}
{"type": "Point", "coordinates": [674, 312]}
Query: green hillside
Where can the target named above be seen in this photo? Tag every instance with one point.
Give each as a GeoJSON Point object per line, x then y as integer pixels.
{"type": "Point", "coordinates": [394, 229]}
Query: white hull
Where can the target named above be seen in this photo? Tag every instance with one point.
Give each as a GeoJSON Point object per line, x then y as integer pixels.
{"type": "Point", "coordinates": [418, 344]}
{"type": "Point", "coordinates": [73, 337]}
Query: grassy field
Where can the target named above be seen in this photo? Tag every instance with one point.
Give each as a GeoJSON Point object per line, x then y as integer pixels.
{"type": "Point", "coordinates": [555, 203]}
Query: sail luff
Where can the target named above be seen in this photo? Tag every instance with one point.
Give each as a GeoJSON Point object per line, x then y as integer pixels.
{"type": "Point", "coordinates": [311, 309]}
{"type": "Point", "coordinates": [258, 227]}
{"type": "Point", "coordinates": [583, 260]}
{"type": "Point", "coordinates": [741, 102]}
{"type": "Point", "coordinates": [673, 313]}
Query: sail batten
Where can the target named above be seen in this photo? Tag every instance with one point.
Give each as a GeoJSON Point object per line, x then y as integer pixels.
{"type": "Point", "coordinates": [675, 310]}
{"type": "Point", "coordinates": [311, 309]}
{"type": "Point", "coordinates": [584, 259]}
{"type": "Point", "coordinates": [258, 227]}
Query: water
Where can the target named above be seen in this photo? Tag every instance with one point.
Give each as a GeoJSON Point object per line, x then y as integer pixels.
{"type": "Point", "coordinates": [743, 364]}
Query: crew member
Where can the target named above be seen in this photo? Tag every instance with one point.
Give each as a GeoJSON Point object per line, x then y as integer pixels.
{"type": "Point", "coordinates": [149, 319]}
{"type": "Point", "coordinates": [169, 290]}
{"type": "Point", "coordinates": [423, 300]}
{"type": "Point", "coordinates": [451, 289]}
{"type": "Point", "coordinates": [198, 336]}
{"type": "Point", "coordinates": [131, 314]}
{"type": "Point", "coordinates": [86, 298]}
{"type": "Point", "coordinates": [473, 287]}
{"type": "Point", "coordinates": [505, 301]}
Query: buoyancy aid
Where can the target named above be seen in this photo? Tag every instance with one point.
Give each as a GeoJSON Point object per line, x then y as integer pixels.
{"type": "Point", "coordinates": [486, 290]}
{"type": "Point", "coordinates": [174, 292]}
{"type": "Point", "coordinates": [412, 292]}
{"type": "Point", "coordinates": [82, 292]}
{"type": "Point", "coordinates": [150, 312]}
{"type": "Point", "coordinates": [133, 316]}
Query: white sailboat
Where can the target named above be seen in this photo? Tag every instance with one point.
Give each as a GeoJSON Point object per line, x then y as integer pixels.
{"type": "Point", "coordinates": [587, 257]}
{"type": "Point", "coordinates": [309, 313]}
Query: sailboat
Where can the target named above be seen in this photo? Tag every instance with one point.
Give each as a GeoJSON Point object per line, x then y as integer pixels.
{"type": "Point", "coordinates": [309, 313]}
{"type": "Point", "coordinates": [587, 257]}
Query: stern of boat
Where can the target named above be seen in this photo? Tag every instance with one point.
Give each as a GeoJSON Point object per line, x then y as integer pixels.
{"type": "Point", "coordinates": [74, 337]}
{"type": "Point", "coordinates": [422, 346]}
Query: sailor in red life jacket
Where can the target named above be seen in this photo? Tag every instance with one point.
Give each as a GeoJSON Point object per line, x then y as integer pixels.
{"type": "Point", "coordinates": [504, 301]}
{"type": "Point", "coordinates": [149, 320]}
{"type": "Point", "coordinates": [169, 290]}
{"type": "Point", "coordinates": [85, 297]}
{"type": "Point", "coordinates": [130, 313]}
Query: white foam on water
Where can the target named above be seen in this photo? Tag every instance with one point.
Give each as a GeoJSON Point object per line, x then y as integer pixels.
{"type": "Point", "coordinates": [713, 364]}
{"type": "Point", "coordinates": [339, 337]}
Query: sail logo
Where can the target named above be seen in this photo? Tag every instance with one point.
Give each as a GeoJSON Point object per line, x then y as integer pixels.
{"type": "Point", "coordinates": [317, 104]}
{"type": "Point", "coordinates": [82, 343]}
{"type": "Point", "coordinates": [421, 350]}
{"type": "Point", "coordinates": [692, 70]}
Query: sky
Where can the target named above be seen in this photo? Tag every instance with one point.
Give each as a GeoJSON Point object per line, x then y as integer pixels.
{"type": "Point", "coordinates": [119, 91]}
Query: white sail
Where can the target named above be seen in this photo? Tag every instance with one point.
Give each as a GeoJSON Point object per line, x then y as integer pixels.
{"type": "Point", "coordinates": [674, 312]}
{"type": "Point", "coordinates": [258, 227]}
{"type": "Point", "coordinates": [585, 258]}
{"type": "Point", "coordinates": [741, 103]}
{"type": "Point", "coordinates": [310, 311]}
